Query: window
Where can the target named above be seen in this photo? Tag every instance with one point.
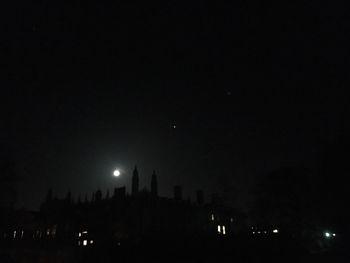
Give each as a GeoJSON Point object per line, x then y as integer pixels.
{"type": "Point", "coordinates": [85, 242]}
{"type": "Point", "coordinates": [219, 229]}
{"type": "Point", "coordinates": [223, 230]}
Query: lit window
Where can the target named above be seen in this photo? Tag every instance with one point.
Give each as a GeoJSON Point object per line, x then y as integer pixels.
{"type": "Point", "coordinates": [14, 234]}
{"type": "Point", "coordinates": [79, 234]}
{"type": "Point", "coordinates": [327, 234]}
{"type": "Point", "coordinates": [219, 229]}
{"type": "Point", "coordinates": [231, 219]}
{"type": "Point", "coordinates": [275, 231]}
{"type": "Point", "coordinates": [258, 232]}
{"type": "Point", "coordinates": [22, 233]}
{"type": "Point", "coordinates": [48, 232]}
{"type": "Point", "coordinates": [85, 242]}
{"type": "Point", "coordinates": [91, 242]}
{"type": "Point", "coordinates": [79, 243]}
{"type": "Point", "coordinates": [334, 235]}
{"type": "Point", "coordinates": [85, 232]}
{"type": "Point", "coordinates": [212, 217]}
{"type": "Point", "coordinates": [54, 229]}
{"type": "Point", "coordinates": [253, 232]}
{"type": "Point", "coordinates": [223, 230]}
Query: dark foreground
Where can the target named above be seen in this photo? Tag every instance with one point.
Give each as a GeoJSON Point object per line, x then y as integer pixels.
{"type": "Point", "coordinates": [243, 249]}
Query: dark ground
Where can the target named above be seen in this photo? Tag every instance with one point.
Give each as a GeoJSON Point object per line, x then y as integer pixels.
{"type": "Point", "coordinates": [272, 249]}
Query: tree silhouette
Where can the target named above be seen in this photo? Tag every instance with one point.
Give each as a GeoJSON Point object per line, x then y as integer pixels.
{"type": "Point", "coordinates": [288, 198]}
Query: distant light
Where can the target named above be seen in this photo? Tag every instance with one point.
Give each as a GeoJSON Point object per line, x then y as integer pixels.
{"type": "Point", "coordinates": [53, 231]}
{"type": "Point", "coordinates": [174, 126]}
{"type": "Point", "coordinates": [91, 241]}
{"type": "Point", "coordinates": [219, 229]}
{"type": "Point", "coordinates": [116, 173]}
{"type": "Point", "coordinates": [231, 219]}
{"type": "Point", "coordinates": [253, 232]}
{"type": "Point", "coordinates": [223, 230]}
{"type": "Point", "coordinates": [85, 243]}
{"type": "Point", "coordinates": [265, 232]}
{"type": "Point", "coordinates": [327, 234]}
{"type": "Point", "coordinates": [275, 231]}
{"type": "Point", "coordinates": [258, 232]}
{"type": "Point", "coordinates": [212, 217]}
{"type": "Point", "coordinates": [334, 234]}
{"type": "Point", "coordinates": [22, 233]}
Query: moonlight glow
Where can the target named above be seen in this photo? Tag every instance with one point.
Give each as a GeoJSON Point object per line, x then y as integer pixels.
{"type": "Point", "coordinates": [116, 173]}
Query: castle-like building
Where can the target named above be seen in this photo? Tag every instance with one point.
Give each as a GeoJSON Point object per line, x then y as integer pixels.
{"type": "Point", "coordinates": [122, 217]}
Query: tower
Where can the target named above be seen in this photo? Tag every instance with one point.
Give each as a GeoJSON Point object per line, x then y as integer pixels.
{"type": "Point", "coordinates": [135, 182]}
{"type": "Point", "coordinates": [154, 184]}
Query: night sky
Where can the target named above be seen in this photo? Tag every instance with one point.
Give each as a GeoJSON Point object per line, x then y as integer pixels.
{"type": "Point", "coordinates": [211, 96]}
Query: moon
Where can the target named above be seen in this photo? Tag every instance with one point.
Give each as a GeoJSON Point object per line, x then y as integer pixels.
{"type": "Point", "coordinates": [116, 173]}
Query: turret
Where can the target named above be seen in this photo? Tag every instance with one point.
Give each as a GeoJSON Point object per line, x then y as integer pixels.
{"type": "Point", "coordinates": [135, 182]}
{"type": "Point", "coordinates": [154, 185]}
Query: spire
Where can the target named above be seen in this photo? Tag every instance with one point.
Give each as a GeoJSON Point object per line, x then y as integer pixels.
{"type": "Point", "coordinates": [79, 199]}
{"type": "Point", "coordinates": [98, 195]}
{"type": "Point", "coordinates": [154, 184]}
{"type": "Point", "coordinates": [135, 182]}
{"type": "Point", "coordinates": [69, 197]}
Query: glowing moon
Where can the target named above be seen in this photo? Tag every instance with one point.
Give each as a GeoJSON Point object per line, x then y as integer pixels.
{"type": "Point", "coordinates": [116, 173]}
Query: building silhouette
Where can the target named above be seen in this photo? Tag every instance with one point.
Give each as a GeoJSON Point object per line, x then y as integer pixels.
{"type": "Point", "coordinates": [122, 218]}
